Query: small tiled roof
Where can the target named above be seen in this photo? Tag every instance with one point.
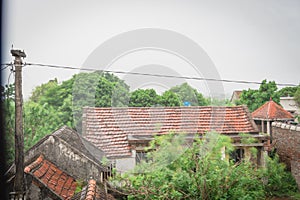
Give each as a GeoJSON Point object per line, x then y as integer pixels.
{"type": "Point", "coordinates": [93, 192]}
{"type": "Point", "coordinates": [109, 128]}
{"type": "Point", "coordinates": [271, 110]}
{"type": "Point", "coordinates": [51, 177]}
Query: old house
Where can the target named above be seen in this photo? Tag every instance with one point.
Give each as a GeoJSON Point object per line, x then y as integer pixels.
{"type": "Point", "coordinates": [235, 96]}
{"type": "Point", "coordinates": [268, 113]}
{"type": "Point", "coordinates": [290, 105]}
{"type": "Point", "coordinates": [60, 165]}
{"type": "Point", "coordinates": [123, 133]}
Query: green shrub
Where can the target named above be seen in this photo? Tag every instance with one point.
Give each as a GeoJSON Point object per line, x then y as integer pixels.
{"type": "Point", "coordinates": [200, 172]}
{"type": "Point", "coordinates": [279, 182]}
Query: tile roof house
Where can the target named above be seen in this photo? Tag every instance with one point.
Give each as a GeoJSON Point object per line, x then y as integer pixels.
{"type": "Point", "coordinates": [122, 132]}
{"type": "Point", "coordinates": [269, 112]}
{"type": "Point", "coordinates": [55, 164]}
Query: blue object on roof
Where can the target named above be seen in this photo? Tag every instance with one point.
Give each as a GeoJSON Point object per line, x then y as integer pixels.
{"type": "Point", "coordinates": [186, 103]}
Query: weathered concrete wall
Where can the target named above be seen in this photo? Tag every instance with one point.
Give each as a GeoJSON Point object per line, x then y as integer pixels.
{"type": "Point", "coordinates": [126, 164]}
{"type": "Point", "coordinates": [286, 139]}
{"type": "Point", "coordinates": [66, 158]}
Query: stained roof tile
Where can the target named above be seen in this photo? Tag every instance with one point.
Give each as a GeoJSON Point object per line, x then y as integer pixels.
{"type": "Point", "coordinates": [108, 128]}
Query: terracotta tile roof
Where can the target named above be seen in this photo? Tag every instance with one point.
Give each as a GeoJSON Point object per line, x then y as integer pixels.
{"type": "Point", "coordinates": [50, 176]}
{"type": "Point", "coordinates": [108, 128]}
{"type": "Point", "coordinates": [93, 192]}
{"type": "Point", "coordinates": [271, 110]}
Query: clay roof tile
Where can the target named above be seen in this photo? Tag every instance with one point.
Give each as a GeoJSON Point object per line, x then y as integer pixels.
{"type": "Point", "coordinates": [271, 110]}
{"type": "Point", "coordinates": [109, 128]}
{"type": "Point", "coordinates": [49, 175]}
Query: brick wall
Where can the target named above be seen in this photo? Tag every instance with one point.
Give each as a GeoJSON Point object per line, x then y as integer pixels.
{"type": "Point", "coordinates": [286, 139]}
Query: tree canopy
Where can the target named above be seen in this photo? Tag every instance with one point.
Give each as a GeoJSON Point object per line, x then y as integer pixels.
{"type": "Point", "coordinates": [54, 104]}
{"type": "Point", "coordinates": [144, 98]}
{"type": "Point", "coordinates": [8, 96]}
{"type": "Point", "coordinates": [175, 96]}
{"type": "Point", "coordinates": [256, 98]}
{"type": "Point", "coordinates": [297, 96]}
{"type": "Point", "coordinates": [287, 91]}
{"type": "Point", "coordinates": [170, 98]}
{"type": "Point", "coordinates": [188, 94]}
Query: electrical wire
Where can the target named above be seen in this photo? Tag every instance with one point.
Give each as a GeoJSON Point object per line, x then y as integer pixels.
{"type": "Point", "coordinates": [153, 75]}
{"type": "Point", "coordinates": [11, 72]}
{"type": "Point", "coordinates": [6, 66]}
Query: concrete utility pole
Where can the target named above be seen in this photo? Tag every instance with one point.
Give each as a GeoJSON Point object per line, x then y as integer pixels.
{"type": "Point", "coordinates": [19, 136]}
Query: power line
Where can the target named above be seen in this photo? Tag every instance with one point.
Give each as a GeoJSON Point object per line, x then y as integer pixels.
{"type": "Point", "coordinates": [154, 75]}
{"type": "Point", "coordinates": [6, 65]}
{"type": "Point", "coordinates": [3, 64]}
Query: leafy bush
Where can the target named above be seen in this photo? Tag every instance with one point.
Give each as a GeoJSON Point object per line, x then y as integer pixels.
{"type": "Point", "coordinates": [198, 172]}
{"type": "Point", "coordinates": [279, 182]}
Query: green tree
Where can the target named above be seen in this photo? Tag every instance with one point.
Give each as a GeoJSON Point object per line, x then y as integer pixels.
{"type": "Point", "coordinates": [256, 98]}
{"type": "Point", "coordinates": [45, 93]}
{"type": "Point", "coordinates": [68, 98]}
{"type": "Point", "coordinates": [268, 90]}
{"type": "Point", "coordinates": [248, 97]}
{"type": "Point", "coordinates": [202, 101]}
{"type": "Point", "coordinates": [218, 102]}
{"type": "Point", "coordinates": [57, 96]}
{"type": "Point", "coordinates": [39, 120]}
{"type": "Point", "coordinates": [97, 89]}
{"type": "Point", "coordinates": [111, 91]}
{"type": "Point", "coordinates": [83, 94]}
{"type": "Point", "coordinates": [279, 182]}
{"type": "Point", "coordinates": [187, 93]}
{"type": "Point", "coordinates": [297, 96]}
{"type": "Point", "coordinates": [170, 98]}
{"type": "Point", "coordinates": [8, 103]}
{"type": "Point", "coordinates": [144, 98]}
{"type": "Point", "coordinates": [287, 91]}
{"type": "Point", "coordinates": [54, 104]}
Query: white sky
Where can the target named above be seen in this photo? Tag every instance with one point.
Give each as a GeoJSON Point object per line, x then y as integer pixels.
{"type": "Point", "coordinates": [246, 40]}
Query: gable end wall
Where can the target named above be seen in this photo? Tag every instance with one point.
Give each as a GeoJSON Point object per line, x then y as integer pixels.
{"type": "Point", "coordinates": [66, 158]}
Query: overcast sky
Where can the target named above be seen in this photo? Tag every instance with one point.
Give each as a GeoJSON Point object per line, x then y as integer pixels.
{"type": "Point", "coordinates": [246, 40]}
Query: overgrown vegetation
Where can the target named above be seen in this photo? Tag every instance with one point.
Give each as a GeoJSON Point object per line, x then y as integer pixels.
{"type": "Point", "coordinates": [174, 171]}
{"type": "Point", "coordinates": [79, 186]}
